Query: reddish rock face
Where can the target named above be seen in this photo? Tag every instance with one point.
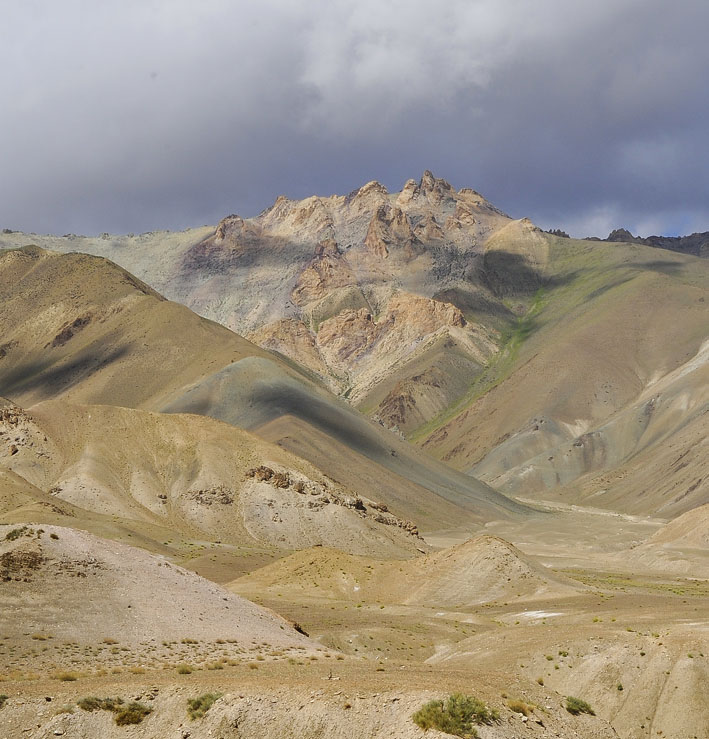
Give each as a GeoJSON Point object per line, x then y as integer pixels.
{"type": "Point", "coordinates": [327, 271]}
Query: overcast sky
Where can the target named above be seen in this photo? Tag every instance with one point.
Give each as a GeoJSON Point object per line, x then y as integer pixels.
{"type": "Point", "coordinates": [133, 115]}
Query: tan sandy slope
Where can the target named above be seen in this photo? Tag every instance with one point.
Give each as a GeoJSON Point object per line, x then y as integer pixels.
{"type": "Point", "coordinates": [483, 569]}
{"type": "Point", "coordinates": [68, 584]}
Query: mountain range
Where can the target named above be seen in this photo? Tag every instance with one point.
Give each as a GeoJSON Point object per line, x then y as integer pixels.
{"type": "Point", "coordinates": [428, 442]}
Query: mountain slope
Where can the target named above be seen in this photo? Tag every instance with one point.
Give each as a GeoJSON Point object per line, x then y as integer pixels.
{"type": "Point", "coordinates": [611, 337]}
{"type": "Point", "coordinates": [169, 475]}
{"type": "Point", "coordinates": [68, 584]}
{"type": "Point", "coordinates": [354, 287]}
{"type": "Point", "coordinates": [80, 329]}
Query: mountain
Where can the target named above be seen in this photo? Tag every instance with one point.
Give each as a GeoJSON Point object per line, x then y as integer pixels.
{"type": "Point", "coordinates": [377, 293]}
{"type": "Point", "coordinates": [511, 354]}
{"type": "Point", "coordinates": [80, 330]}
{"type": "Point", "coordinates": [696, 244]}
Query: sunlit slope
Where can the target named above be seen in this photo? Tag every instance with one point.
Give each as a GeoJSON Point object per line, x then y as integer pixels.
{"type": "Point", "coordinates": [82, 328]}
{"type": "Point", "coordinates": [189, 475]}
{"type": "Point", "coordinates": [607, 323]}
{"type": "Point", "coordinates": [477, 571]}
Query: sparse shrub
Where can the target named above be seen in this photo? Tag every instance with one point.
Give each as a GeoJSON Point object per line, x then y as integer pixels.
{"type": "Point", "coordinates": [456, 715]}
{"type": "Point", "coordinates": [133, 713]}
{"type": "Point", "coordinates": [3, 699]}
{"type": "Point", "coordinates": [124, 714]}
{"type": "Point", "coordinates": [620, 686]}
{"type": "Point", "coordinates": [15, 533]}
{"type": "Point", "coordinates": [576, 706]}
{"type": "Point", "coordinates": [68, 708]}
{"type": "Point", "coordinates": [184, 670]}
{"type": "Point", "coordinates": [197, 707]}
{"type": "Point", "coordinates": [520, 707]}
{"type": "Point", "coordinates": [65, 676]}
{"type": "Point", "coordinates": [108, 640]}
{"type": "Point", "coordinates": [92, 703]}
{"type": "Point", "coordinates": [540, 680]}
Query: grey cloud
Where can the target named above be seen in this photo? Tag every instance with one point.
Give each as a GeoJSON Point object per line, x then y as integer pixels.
{"type": "Point", "coordinates": [129, 116]}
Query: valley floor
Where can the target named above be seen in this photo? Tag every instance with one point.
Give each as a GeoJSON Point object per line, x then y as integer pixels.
{"type": "Point", "coordinates": [635, 645]}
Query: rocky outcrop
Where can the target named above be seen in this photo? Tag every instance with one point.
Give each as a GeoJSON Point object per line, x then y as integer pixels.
{"type": "Point", "coordinates": [327, 271]}
{"type": "Point", "coordinates": [348, 335]}
{"type": "Point", "coordinates": [322, 494]}
{"type": "Point", "coordinates": [696, 244]}
{"type": "Point", "coordinates": [390, 228]}
{"type": "Point", "coordinates": [233, 240]}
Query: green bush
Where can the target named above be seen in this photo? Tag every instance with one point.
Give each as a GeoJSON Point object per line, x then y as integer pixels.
{"type": "Point", "coordinates": [456, 715]}
{"type": "Point", "coordinates": [577, 706]}
{"type": "Point", "coordinates": [197, 707]}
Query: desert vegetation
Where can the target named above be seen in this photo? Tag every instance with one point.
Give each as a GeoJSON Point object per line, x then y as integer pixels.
{"type": "Point", "coordinates": [457, 715]}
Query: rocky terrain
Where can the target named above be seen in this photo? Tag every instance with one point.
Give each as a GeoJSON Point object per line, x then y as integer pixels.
{"type": "Point", "coordinates": [373, 450]}
{"type": "Point", "coordinates": [696, 244]}
{"type": "Point", "coordinates": [485, 340]}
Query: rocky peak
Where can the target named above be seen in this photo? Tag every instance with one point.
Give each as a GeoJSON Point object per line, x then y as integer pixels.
{"type": "Point", "coordinates": [228, 227]}
{"type": "Point", "coordinates": [389, 225]}
{"type": "Point", "coordinates": [621, 234]}
{"type": "Point", "coordinates": [368, 198]}
{"type": "Point", "coordinates": [428, 182]}
{"type": "Point", "coordinates": [434, 189]}
{"type": "Point", "coordinates": [372, 186]}
{"type": "Point", "coordinates": [408, 192]}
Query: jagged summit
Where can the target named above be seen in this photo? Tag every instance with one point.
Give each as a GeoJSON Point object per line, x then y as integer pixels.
{"type": "Point", "coordinates": [696, 244]}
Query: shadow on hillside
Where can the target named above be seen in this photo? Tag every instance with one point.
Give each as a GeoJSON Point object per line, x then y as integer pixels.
{"type": "Point", "coordinates": [52, 378]}
{"type": "Point", "coordinates": [512, 275]}
{"type": "Point", "coordinates": [664, 266]}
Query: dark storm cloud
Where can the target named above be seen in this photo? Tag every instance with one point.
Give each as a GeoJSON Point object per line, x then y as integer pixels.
{"type": "Point", "coordinates": [129, 116]}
